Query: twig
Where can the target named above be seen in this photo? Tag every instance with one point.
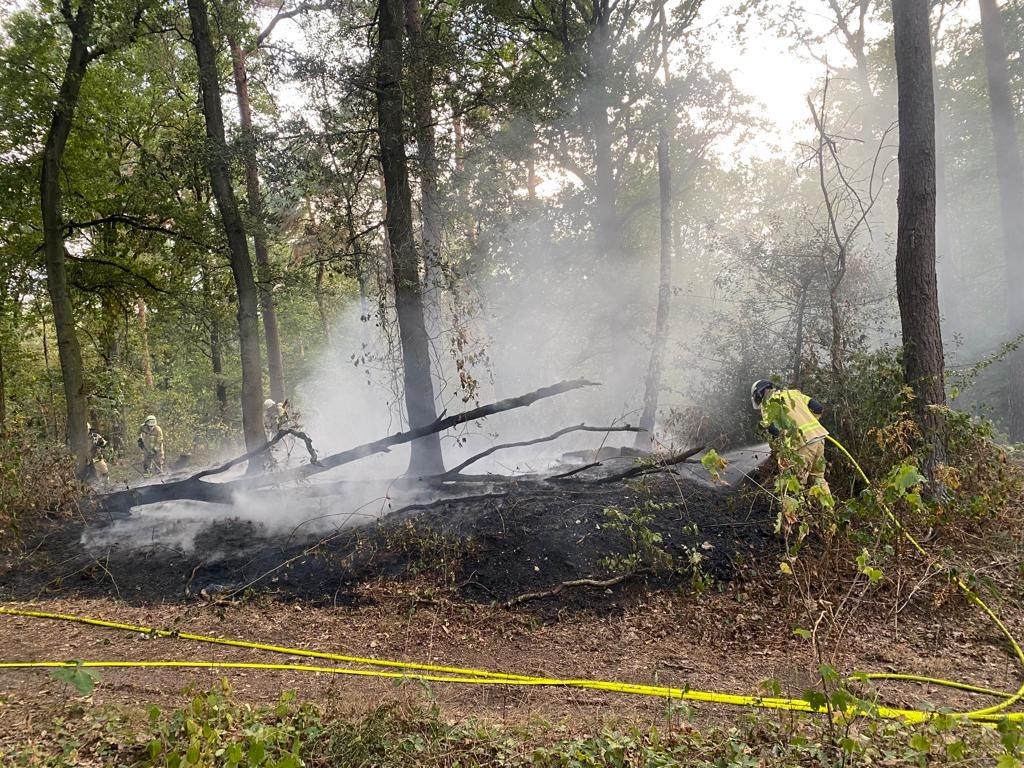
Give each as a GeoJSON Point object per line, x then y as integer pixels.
{"type": "Point", "coordinates": [575, 583]}
{"type": "Point", "coordinates": [572, 472]}
{"type": "Point", "coordinates": [647, 469]}
{"type": "Point", "coordinates": [263, 449]}
{"type": "Point", "coordinates": [552, 436]}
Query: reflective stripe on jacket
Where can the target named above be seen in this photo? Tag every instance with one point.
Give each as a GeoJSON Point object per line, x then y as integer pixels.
{"type": "Point", "coordinates": [807, 424]}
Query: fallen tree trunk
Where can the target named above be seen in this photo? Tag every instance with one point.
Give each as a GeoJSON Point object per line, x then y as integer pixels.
{"type": "Point", "coordinates": [195, 488]}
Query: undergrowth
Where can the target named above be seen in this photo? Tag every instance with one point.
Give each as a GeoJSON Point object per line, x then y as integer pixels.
{"type": "Point", "coordinates": [37, 479]}
{"type": "Point", "coordinates": [214, 729]}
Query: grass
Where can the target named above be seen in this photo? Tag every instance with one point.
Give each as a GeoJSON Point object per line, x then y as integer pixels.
{"type": "Point", "coordinates": [215, 729]}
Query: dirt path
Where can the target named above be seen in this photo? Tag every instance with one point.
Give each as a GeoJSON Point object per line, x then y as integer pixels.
{"type": "Point", "coordinates": [725, 641]}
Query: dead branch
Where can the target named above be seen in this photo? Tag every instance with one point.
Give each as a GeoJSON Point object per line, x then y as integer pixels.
{"type": "Point", "coordinates": [262, 449]}
{"type": "Point", "coordinates": [648, 469]}
{"type": "Point", "coordinates": [549, 438]}
{"type": "Point", "coordinates": [576, 471]}
{"type": "Point", "coordinates": [566, 584]}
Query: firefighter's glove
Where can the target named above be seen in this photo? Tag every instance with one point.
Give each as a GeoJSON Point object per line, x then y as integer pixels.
{"type": "Point", "coordinates": [142, 445]}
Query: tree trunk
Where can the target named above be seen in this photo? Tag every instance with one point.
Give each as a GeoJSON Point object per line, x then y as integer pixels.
{"type": "Point", "coordinates": [216, 357]}
{"type": "Point", "coordinates": [321, 303]}
{"type": "Point", "coordinates": [596, 114]}
{"type": "Point", "coordinates": [275, 363]}
{"type": "Point", "coordinates": [53, 235]}
{"type": "Point", "coordinates": [3, 394]}
{"type": "Point", "coordinates": [1011, 198]}
{"type": "Point", "coordinates": [798, 351]}
{"type": "Point", "coordinates": [241, 267]}
{"type": "Point", "coordinates": [653, 384]}
{"type": "Point", "coordinates": [147, 360]}
{"type": "Point", "coordinates": [419, 389]}
{"type": "Point", "coordinates": [915, 240]}
{"type": "Point", "coordinates": [426, 142]}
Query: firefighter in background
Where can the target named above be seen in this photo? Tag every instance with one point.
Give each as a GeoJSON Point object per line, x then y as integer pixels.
{"type": "Point", "coordinates": [274, 417]}
{"type": "Point", "coordinates": [278, 416]}
{"type": "Point", "coordinates": [803, 434]}
{"type": "Point", "coordinates": [100, 470]}
{"type": "Point", "coordinates": [151, 443]}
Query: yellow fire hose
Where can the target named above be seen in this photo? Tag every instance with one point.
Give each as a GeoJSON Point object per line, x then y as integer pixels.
{"type": "Point", "coordinates": [470, 676]}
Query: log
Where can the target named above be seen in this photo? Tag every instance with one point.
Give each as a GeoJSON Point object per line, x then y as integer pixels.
{"type": "Point", "coordinates": [194, 488]}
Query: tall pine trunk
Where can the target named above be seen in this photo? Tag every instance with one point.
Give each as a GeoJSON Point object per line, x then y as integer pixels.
{"type": "Point", "coordinates": [68, 348]}
{"type": "Point", "coordinates": [595, 106]}
{"type": "Point", "coordinates": [426, 142]}
{"type": "Point", "coordinates": [254, 195]}
{"type": "Point", "coordinates": [419, 389]}
{"type": "Point", "coordinates": [915, 240]}
{"type": "Point", "coordinates": [653, 383]}
{"type": "Point", "coordinates": [241, 267]}
{"type": "Point", "coordinates": [1011, 198]}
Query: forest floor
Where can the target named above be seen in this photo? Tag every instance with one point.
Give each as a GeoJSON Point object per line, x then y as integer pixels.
{"type": "Point", "coordinates": [438, 583]}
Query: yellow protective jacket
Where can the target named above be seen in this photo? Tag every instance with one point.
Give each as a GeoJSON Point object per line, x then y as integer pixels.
{"type": "Point", "coordinates": [152, 440]}
{"type": "Point", "coordinates": [796, 406]}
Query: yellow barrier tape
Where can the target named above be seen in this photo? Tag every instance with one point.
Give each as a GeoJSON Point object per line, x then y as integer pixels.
{"type": "Point", "coordinates": [664, 692]}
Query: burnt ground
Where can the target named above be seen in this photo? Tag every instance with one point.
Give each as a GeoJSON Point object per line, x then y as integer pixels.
{"type": "Point", "coordinates": [519, 536]}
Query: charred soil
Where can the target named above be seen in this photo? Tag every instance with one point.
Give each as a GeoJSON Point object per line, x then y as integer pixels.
{"type": "Point", "coordinates": [520, 536]}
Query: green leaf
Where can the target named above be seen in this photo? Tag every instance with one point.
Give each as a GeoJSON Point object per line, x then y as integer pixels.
{"type": "Point", "coordinates": [257, 752]}
{"type": "Point", "coordinates": [1006, 760]}
{"type": "Point", "coordinates": [802, 633]}
{"type": "Point", "coordinates": [907, 477]}
{"type": "Point", "coordinates": [192, 755]}
{"type": "Point", "coordinates": [82, 678]}
{"type": "Point", "coordinates": [816, 699]}
{"type": "Point", "coordinates": [713, 463]}
{"type": "Point", "coordinates": [956, 750]}
{"type": "Point", "coordinates": [920, 743]}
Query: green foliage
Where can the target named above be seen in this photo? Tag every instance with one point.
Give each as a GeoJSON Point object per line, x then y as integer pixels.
{"type": "Point", "coordinates": [214, 729]}
{"type": "Point", "coordinates": [645, 550]}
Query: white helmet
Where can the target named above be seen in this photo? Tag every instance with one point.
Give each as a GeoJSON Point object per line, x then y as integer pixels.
{"type": "Point", "coordinates": [150, 420]}
{"type": "Point", "coordinates": [268, 404]}
{"type": "Point", "coordinates": [758, 390]}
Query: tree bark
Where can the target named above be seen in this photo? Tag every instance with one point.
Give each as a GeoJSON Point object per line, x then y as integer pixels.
{"type": "Point", "coordinates": [3, 394]}
{"type": "Point", "coordinates": [1011, 198]}
{"type": "Point", "coordinates": [915, 241]}
{"type": "Point", "coordinates": [426, 141]}
{"type": "Point", "coordinates": [68, 348]}
{"type": "Point", "coordinates": [216, 356]}
{"type": "Point", "coordinates": [419, 389]}
{"type": "Point", "coordinates": [596, 114]}
{"type": "Point", "coordinates": [147, 360]}
{"type": "Point", "coordinates": [241, 267]}
{"type": "Point", "coordinates": [254, 195]}
{"type": "Point", "coordinates": [644, 438]}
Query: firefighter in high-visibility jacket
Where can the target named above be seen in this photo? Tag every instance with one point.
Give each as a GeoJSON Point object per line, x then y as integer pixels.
{"type": "Point", "coordinates": [151, 443]}
{"type": "Point", "coordinates": [800, 429]}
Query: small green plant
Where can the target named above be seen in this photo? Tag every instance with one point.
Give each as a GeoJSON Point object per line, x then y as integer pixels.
{"type": "Point", "coordinates": [646, 552]}
{"type": "Point", "coordinates": [82, 679]}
